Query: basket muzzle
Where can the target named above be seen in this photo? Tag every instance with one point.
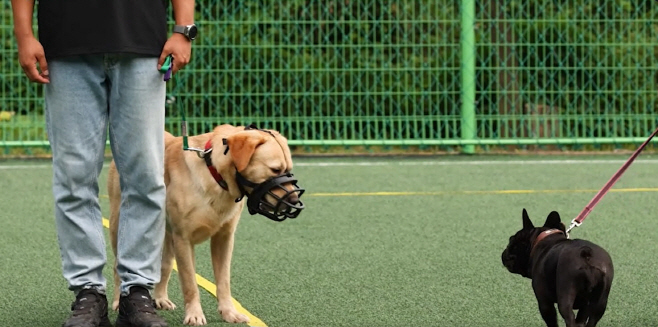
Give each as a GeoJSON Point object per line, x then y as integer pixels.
{"type": "Point", "coordinates": [264, 200]}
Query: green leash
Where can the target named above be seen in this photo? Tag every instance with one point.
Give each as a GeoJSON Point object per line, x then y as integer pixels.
{"type": "Point", "coordinates": [166, 70]}
{"type": "Point", "coordinates": [183, 128]}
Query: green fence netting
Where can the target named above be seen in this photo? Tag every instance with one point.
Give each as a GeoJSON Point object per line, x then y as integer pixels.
{"type": "Point", "coordinates": [401, 72]}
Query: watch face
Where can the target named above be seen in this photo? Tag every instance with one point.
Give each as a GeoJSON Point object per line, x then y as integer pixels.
{"type": "Point", "coordinates": [191, 32]}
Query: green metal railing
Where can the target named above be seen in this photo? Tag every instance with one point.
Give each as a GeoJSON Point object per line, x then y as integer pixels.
{"type": "Point", "coordinates": [468, 74]}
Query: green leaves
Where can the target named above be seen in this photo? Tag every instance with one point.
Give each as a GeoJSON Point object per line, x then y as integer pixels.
{"type": "Point", "coordinates": [380, 69]}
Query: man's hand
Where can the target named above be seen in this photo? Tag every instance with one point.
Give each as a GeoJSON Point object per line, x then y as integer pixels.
{"type": "Point", "coordinates": [30, 52]}
{"type": "Point", "coordinates": [181, 50]}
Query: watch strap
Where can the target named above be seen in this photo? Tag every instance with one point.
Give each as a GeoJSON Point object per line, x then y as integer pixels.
{"type": "Point", "coordinates": [180, 29]}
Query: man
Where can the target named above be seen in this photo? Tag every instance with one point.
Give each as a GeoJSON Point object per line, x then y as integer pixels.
{"type": "Point", "coordinates": [99, 61]}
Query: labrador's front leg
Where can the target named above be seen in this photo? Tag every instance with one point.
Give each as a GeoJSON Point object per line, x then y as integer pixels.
{"type": "Point", "coordinates": [221, 252]}
{"type": "Point", "coordinates": [184, 252]}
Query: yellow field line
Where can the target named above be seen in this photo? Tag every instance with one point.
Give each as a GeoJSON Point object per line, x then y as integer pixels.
{"type": "Point", "coordinates": [256, 322]}
{"type": "Point", "coordinates": [212, 289]}
{"type": "Point", "coordinates": [484, 192]}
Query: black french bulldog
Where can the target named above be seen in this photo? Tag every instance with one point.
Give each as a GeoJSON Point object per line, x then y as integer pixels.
{"type": "Point", "coordinates": [575, 274]}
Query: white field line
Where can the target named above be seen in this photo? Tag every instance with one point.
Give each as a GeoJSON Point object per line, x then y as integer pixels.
{"type": "Point", "coordinates": [422, 163]}
{"type": "Point", "coordinates": [470, 163]}
{"type": "Point", "coordinates": [9, 167]}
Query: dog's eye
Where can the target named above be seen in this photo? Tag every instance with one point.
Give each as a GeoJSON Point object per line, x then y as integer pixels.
{"type": "Point", "coordinates": [276, 170]}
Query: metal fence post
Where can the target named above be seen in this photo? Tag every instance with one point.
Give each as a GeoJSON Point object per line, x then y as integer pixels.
{"type": "Point", "coordinates": [468, 52]}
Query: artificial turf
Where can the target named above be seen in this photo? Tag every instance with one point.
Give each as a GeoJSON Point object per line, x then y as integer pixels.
{"type": "Point", "coordinates": [425, 254]}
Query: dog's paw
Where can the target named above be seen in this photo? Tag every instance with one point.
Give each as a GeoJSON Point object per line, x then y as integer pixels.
{"type": "Point", "coordinates": [194, 317]}
{"type": "Point", "coordinates": [233, 316]}
{"type": "Point", "coordinates": [164, 304]}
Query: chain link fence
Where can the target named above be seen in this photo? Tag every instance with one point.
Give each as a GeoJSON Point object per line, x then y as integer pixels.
{"type": "Point", "coordinates": [469, 75]}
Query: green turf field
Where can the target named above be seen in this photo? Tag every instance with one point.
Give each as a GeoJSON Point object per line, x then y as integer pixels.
{"type": "Point", "coordinates": [383, 242]}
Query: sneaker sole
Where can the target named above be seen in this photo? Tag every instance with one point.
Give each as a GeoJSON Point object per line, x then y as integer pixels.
{"type": "Point", "coordinates": [120, 323]}
{"type": "Point", "coordinates": [105, 322]}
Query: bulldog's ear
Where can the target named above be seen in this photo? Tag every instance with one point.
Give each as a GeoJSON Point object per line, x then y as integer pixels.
{"type": "Point", "coordinates": [242, 147]}
{"type": "Point", "coordinates": [553, 220]}
{"type": "Point", "coordinates": [527, 224]}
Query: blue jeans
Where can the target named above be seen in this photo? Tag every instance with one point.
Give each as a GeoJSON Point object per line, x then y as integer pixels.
{"type": "Point", "coordinates": [85, 96]}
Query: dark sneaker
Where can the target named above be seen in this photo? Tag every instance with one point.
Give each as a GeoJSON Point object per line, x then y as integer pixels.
{"type": "Point", "coordinates": [88, 310]}
{"type": "Point", "coordinates": [137, 310]}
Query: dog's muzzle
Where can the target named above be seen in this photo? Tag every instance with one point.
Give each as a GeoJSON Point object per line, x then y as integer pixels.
{"type": "Point", "coordinates": [287, 206]}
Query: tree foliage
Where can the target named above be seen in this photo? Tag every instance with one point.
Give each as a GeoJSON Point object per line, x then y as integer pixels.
{"type": "Point", "coordinates": [313, 61]}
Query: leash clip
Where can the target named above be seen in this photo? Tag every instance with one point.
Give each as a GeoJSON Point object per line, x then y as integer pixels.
{"type": "Point", "coordinates": [201, 153]}
{"type": "Point", "coordinates": [574, 224]}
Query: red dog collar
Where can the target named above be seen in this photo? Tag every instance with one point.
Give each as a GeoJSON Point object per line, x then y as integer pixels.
{"type": "Point", "coordinates": [542, 236]}
{"type": "Point", "coordinates": [218, 178]}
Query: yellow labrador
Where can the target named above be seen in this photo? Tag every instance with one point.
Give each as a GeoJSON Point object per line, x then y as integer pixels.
{"type": "Point", "coordinates": [204, 200]}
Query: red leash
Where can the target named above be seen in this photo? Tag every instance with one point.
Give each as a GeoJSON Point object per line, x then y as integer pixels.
{"type": "Point", "coordinates": [590, 206]}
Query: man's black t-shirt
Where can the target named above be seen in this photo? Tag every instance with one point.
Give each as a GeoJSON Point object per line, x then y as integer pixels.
{"type": "Point", "coordinates": [78, 27]}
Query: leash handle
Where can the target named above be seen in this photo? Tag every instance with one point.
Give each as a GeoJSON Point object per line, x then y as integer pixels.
{"type": "Point", "coordinates": [590, 206]}
{"type": "Point", "coordinates": [166, 68]}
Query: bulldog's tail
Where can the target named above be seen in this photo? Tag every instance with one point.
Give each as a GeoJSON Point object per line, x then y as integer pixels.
{"type": "Point", "coordinates": [593, 274]}
{"type": "Point", "coordinates": [586, 253]}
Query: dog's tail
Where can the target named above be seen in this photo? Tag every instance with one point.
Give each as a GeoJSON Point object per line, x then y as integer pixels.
{"type": "Point", "coordinates": [168, 136]}
{"type": "Point", "coordinates": [586, 253]}
{"type": "Point", "coordinates": [593, 274]}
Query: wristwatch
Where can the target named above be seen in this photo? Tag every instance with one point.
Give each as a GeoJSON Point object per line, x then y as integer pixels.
{"type": "Point", "coordinates": [190, 31]}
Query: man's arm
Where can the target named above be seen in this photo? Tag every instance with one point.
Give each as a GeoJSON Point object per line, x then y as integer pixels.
{"type": "Point", "coordinates": [178, 45]}
{"type": "Point", "coordinates": [23, 10]}
{"type": "Point", "coordinates": [30, 50]}
{"type": "Point", "coordinates": [183, 11]}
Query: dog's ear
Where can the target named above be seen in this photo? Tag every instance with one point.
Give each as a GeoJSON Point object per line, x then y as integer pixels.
{"type": "Point", "coordinates": [527, 223]}
{"type": "Point", "coordinates": [242, 147]}
{"type": "Point", "coordinates": [553, 220]}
